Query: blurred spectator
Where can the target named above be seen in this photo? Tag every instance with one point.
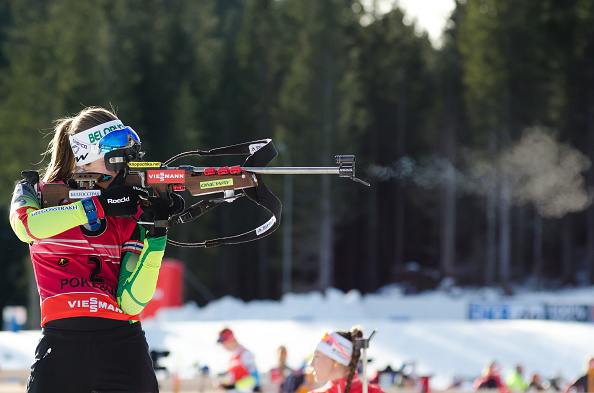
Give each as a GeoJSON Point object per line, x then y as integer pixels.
{"type": "Point", "coordinates": [456, 382]}
{"type": "Point", "coordinates": [279, 374]}
{"type": "Point", "coordinates": [309, 382]}
{"type": "Point", "coordinates": [490, 379]}
{"type": "Point", "coordinates": [535, 383]}
{"type": "Point", "coordinates": [553, 383]}
{"type": "Point", "coordinates": [515, 380]}
{"type": "Point", "coordinates": [203, 377]}
{"type": "Point", "coordinates": [282, 378]}
{"type": "Point", "coordinates": [406, 376]}
{"type": "Point", "coordinates": [385, 378]}
{"type": "Point", "coordinates": [242, 375]}
{"type": "Point", "coordinates": [585, 383]}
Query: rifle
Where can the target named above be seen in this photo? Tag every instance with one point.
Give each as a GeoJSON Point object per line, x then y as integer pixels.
{"type": "Point", "coordinates": [233, 182]}
{"type": "Point", "coordinates": [362, 344]}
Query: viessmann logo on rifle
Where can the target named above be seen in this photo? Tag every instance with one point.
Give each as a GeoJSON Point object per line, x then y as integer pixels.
{"type": "Point", "coordinates": [169, 176]}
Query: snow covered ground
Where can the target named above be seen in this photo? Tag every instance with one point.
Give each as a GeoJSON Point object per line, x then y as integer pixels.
{"type": "Point", "coordinates": [430, 329]}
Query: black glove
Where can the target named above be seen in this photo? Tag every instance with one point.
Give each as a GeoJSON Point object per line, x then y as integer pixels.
{"type": "Point", "coordinates": [159, 212]}
{"type": "Point", "coordinates": [121, 200]}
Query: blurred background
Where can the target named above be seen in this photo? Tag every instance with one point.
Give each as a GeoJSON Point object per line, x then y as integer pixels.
{"type": "Point", "coordinates": [477, 144]}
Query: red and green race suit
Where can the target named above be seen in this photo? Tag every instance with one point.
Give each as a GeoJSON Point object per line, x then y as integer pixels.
{"type": "Point", "coordinates": [110, 272]}
{"type": "Point", "coordinates": [241, 372]}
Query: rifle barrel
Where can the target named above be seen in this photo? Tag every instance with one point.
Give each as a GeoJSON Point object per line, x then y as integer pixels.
{"type": "Point", "coordinates": [294, 170]}
{"type": "Point", "coordinates": [342, 171]}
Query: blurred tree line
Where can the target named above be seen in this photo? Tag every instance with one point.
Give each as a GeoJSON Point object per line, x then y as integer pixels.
{"type": "Point", "coordinates": [478, 152]}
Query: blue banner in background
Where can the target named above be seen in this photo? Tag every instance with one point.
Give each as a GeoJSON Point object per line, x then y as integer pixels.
{"type": "Point", "coordinates": [570, 312]}
{"type": "Point", "coordinates": [488, 311]}
{"type": "Point", "coordinates": [553, 312]}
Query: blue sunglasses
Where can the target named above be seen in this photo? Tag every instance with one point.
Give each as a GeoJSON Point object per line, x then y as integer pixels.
{"type": "Point", "coordinates": [124, 137]}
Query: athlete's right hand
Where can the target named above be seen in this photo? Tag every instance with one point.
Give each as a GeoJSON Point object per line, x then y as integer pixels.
{"type": "Point", "coordinates": [121, 200]}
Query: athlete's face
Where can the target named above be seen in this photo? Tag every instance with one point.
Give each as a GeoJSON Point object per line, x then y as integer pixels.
{"type": "Point", "coordinates": [324, 368]}
{"type": "Point", "coordinates": [229, 345]}
{"type": "Point", "coordinates": [97, 166]}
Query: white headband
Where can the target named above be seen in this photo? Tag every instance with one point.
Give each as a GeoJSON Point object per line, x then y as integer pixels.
{"type": "Point", "coordinates": [336, 347]}
{"type": "Point", "coordinates": [81, 143]}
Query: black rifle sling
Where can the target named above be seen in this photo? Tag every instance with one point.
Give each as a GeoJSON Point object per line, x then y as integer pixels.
{"type": "Point", "coordinates": [259, 153]}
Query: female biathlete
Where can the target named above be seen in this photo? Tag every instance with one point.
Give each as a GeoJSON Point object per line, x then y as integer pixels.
{"type": "Point", "coordinates": [336, 360]}
{"type": "Point", "coordinates": [95, 267]}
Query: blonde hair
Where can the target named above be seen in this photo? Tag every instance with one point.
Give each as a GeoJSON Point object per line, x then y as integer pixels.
{"type": "Point", "coordinates": [62, 162]}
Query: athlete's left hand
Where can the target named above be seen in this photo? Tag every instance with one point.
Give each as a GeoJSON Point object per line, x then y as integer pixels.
{"type": "Point", "coordinates": [160, 209]}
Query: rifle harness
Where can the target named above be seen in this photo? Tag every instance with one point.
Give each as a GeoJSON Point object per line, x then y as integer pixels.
{"type": "Point", "coordinates": [259, 153]}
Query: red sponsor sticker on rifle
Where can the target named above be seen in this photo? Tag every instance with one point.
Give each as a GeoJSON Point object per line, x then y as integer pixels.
{"type": "Point", "coordinates": [166, 176]}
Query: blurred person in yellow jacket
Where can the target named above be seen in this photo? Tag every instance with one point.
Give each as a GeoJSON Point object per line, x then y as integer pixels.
{"type": "Point", "coordinates": [515, 380]}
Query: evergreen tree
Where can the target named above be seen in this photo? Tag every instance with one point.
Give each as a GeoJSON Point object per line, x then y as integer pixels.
{"type": "Point", "coordinates": [318, 101]}
{"type": "Point", "coordinates": [399, 91]}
